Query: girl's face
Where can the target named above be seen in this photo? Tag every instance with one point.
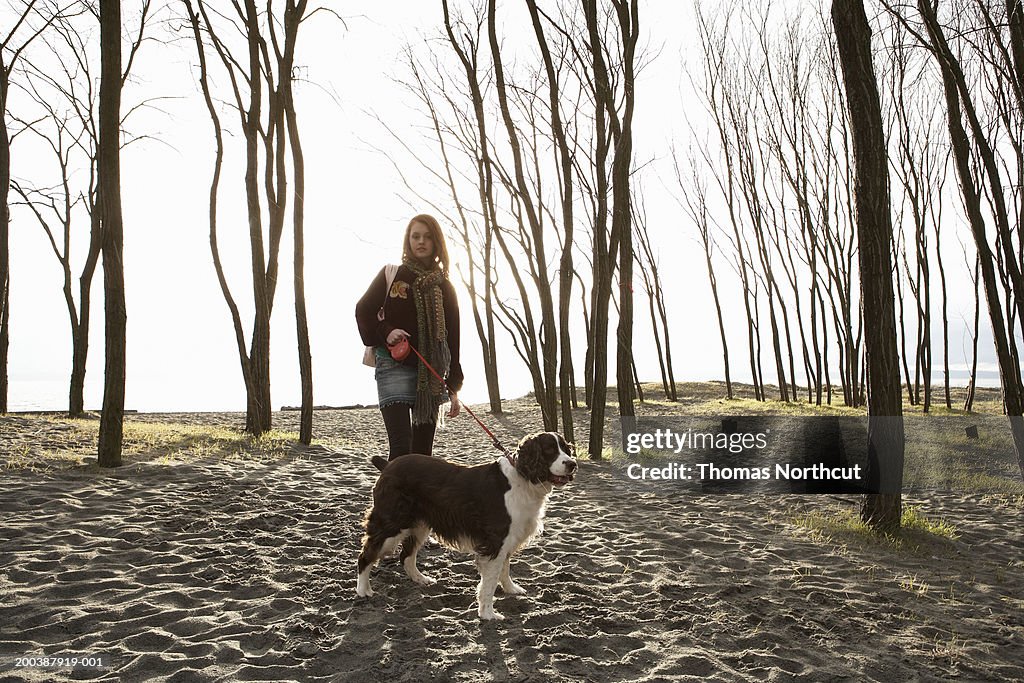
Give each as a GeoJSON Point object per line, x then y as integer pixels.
{"type": "Point", "coordinates": [421, 242]}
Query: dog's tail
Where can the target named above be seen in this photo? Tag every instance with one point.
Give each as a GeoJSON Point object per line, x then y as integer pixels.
{"type": "Point", "coordinates": [379, 461]}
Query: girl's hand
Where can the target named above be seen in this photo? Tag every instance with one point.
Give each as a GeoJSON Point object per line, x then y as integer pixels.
{"type": "Point", "coordinates": [455, 408]}
{"type": "Point", "coordinates": [396, 335]}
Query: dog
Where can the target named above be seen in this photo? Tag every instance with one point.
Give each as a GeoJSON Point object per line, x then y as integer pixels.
{"type": "Point", "coordinates": [489, 510]}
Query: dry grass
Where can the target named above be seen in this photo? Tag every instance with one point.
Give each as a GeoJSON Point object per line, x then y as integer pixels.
{"type": "Point", "coordinates": [918, 533]}
{"type": "Point", "coordinates": [53, 443]}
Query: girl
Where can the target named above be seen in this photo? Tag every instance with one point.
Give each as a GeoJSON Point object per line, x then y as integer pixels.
{"type": "Point", "coordinates": [419, 306]}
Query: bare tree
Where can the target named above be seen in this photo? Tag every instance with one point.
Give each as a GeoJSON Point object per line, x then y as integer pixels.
{"type": "Point", "coordinates": [261, 94]}
{"type": "Point", "coordinates": [551, 164]}
{"type": "Point", "coordinates": [627, 15]}
{"type": "Point", "coordinates": [60, 81]}
{"type": "Point", "coordinates": [565, 266]}
{"type": "Point", "coordinates": [546, 396]}
{"type": "Point", "coordinates": [468, 52]}
{"type": "Point", "coordinates": [972, 382]}
{"type": "Point", "coordinates": [719, 90]}
{"type": "Point", "coordinates": [694, 203]}
{"type": "Point", "coordinates": [294, 13]}
{"type": "Point", "coordinates": [920, 163]}
{"type": "Point", "coordinates": [466, 40]}
{"type": "Point", "coordinates": [615, 242]}
{"type": "Point", "coordinates": [783, 172]}
{"type": "Point", "coordinates": [653, 286]}
{"type": "Point", "coordinates": [108, 182]}
{"type": "Point", "coordinates": [971, 141]}
{"type": "Point", "coordinates": [12, 47]}
{"type": "Point", "coordinates": [874, 233]}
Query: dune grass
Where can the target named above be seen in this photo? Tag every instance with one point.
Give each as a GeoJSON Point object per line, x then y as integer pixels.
{"type": "Point", "coordinates": [918, 533]}
{"type": "Point", "coordinates": [38, 460]}
{"type": "Point", "coordinates": [60, 443]}
{"type": "Point", "coordinates": [184, 442]}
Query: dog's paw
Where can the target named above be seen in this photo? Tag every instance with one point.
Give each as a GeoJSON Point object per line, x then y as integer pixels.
{"type": "Point", "coordinates": [513, 588]}
{"type": "Point", "coordinates": [423, 580]}
{"type": "Point", "coordinates": [364, 592]}
{"type": "Point", "coordinates": [490, 615]}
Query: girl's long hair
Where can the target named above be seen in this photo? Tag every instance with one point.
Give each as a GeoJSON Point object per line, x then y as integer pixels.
{"type": "Point", "coordinates": [440, 247]}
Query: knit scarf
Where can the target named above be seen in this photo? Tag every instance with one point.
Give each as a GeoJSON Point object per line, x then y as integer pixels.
{"type": "Point", "coordinates": [433, 340]}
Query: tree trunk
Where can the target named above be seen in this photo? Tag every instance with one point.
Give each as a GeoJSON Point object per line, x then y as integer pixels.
{"type": "Point", "coordinates": [588, 357]}
{"type": "Point", "coordinates": [622, 214]}
{"type": "Point", "coordinates": [780, 363]}
{"type": "Point", "coordinates": [258, 409]}
{"type": "Point", "coordinates": [759, 389]}
{"type": "Point", "coordinates": [637, 386]}
{"type": "Point", "coordinates": [109, 183]}
{"type": "Point", "coordinates": [599, 343]}
{"type": "Point", "coordinates": [815, 307]}
{"type": "Point", "coordinates": [76, 404]}
{"type": "Point", "coordinates": [5, 226]}
{"type": "Point", "coordinates": [903, 336]}
{"type": "Point", "coordinates": [973, 382]}
{"type": "Point", "coordinates": [881, 510]}
{"type": "Point", "coordinates": [1015, 17]}
{"type": "Point", "coordinates": [826, 387]}
{"type": "Point", "coordinates": [945, 317]}
{"type": "Point", "coordinates": [663, 315]}
{"type": "Point", "coordinates": [603, 249]}
{"type": "Point", "coordinates": [491, 353]}
{"type": "Point", "coordinates": [293, 17]}
{"type": "Point", "coordinates": [657, 343]}
{"type": "Point", "coordinates": [721, 328]}
{"type": "Point", "coordinates": [624, 333]}
{"type": "Point", "coordinates": [79, 356]}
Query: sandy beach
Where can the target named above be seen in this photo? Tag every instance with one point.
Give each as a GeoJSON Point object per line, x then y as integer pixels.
{"type": "Point", "coordinates": [208, 568]}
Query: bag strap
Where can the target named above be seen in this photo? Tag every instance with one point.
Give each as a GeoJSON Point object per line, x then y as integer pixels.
{"type": "Point", "coordinates": [390, 271]}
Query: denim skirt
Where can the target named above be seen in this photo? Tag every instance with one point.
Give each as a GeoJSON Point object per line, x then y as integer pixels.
{"type": "Point", "coordinates": [396, 383]}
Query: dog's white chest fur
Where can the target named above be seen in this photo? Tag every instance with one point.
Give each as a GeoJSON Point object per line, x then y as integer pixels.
{"type": "Point", "coordinates": [525, 504]}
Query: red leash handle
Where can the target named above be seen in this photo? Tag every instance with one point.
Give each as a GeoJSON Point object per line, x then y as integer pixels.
{"type": "Point", "coordinates": [494, 439]}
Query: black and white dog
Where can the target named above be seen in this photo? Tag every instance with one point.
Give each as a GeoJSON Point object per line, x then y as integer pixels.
{"type": "Point", "coordinates": [489, 510]}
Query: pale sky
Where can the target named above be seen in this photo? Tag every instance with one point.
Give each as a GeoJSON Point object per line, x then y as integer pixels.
{"type": "Point", "coordinates": [181, 348]}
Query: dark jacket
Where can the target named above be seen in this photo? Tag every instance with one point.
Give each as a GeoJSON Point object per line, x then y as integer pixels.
{"type": "Point", "coordinates": [400, 313]}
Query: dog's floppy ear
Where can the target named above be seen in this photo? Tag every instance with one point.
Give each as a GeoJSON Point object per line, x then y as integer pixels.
{"type": "Point", "coordinates": [568, 448]}
{"type": "Point", "coordinates": [530, 460]}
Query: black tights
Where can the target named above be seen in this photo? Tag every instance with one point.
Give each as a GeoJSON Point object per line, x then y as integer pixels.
{"type": "Point", "coordinates": [403, 436]}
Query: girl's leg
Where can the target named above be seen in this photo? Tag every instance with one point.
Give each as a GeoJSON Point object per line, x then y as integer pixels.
{"type": "Point", "coordinates": [423, 438]}
{"type": "Point", "coordinates": [398, 422]}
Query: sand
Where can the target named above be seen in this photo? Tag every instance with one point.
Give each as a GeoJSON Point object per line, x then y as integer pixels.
{"type": "Point", "coordinates": [208, 569]}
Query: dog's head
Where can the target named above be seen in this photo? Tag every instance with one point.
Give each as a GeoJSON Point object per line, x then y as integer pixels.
{"type": "Point", "coordinates": [546, 457]}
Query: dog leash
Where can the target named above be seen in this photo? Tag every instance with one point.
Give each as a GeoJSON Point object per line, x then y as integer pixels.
{"type": "Point", "coordinates": [494, 440]}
